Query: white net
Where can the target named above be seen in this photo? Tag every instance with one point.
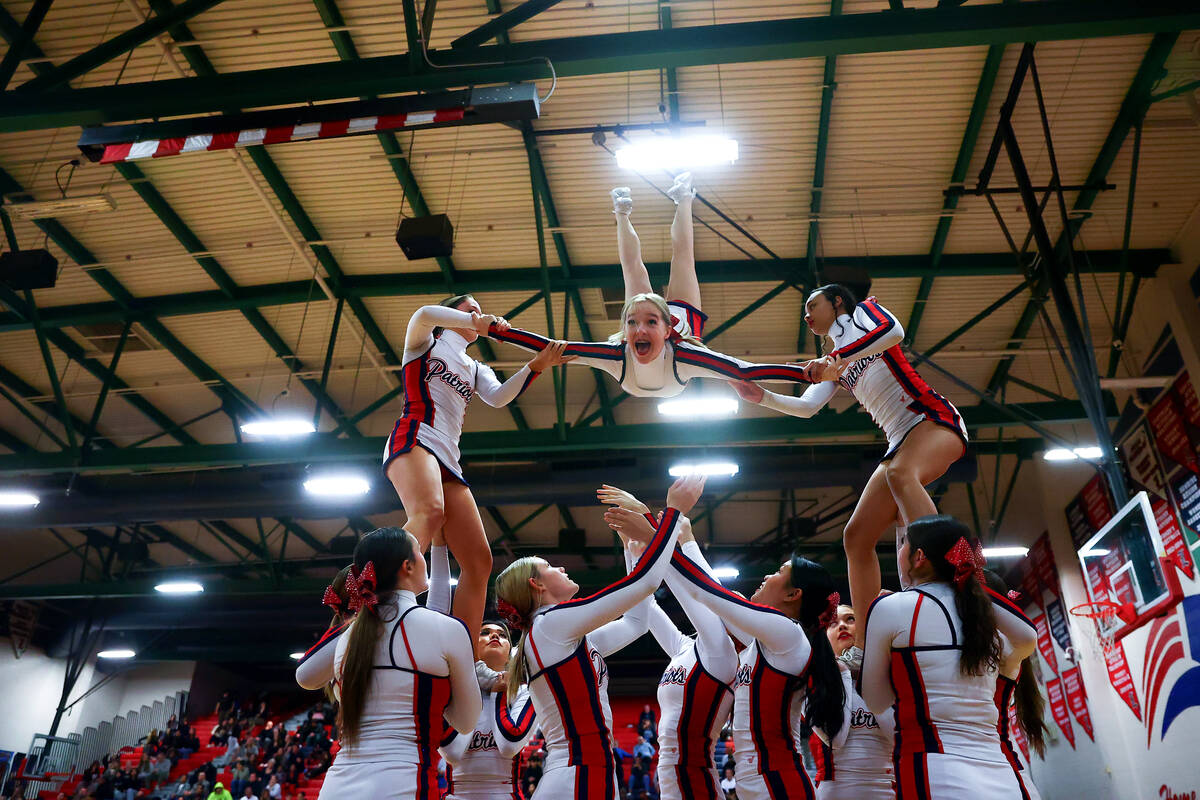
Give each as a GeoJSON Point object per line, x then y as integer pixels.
{"type": "Point", "coordinates": [1099, 637]}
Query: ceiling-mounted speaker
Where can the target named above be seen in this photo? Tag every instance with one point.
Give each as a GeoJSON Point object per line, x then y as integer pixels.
{"type": "Point", "coordinates": [28, 269]}
{"type": "Point", "coordinates": [425, 237]}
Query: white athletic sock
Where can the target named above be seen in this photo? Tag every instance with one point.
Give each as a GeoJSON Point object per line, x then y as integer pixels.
{"type": "Point", "coordinates": [622, 200]}
{"type": "Point", "coordinates": [901, 535]}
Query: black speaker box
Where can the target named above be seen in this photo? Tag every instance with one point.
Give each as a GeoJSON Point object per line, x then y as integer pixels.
{"type": "Point", "coordinates": [425, 237]}
{"type": "Point", "coordinates": [28, 269]}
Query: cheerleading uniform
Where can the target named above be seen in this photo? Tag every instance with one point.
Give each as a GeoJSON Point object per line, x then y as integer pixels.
{"type": "Point", "coordinates": [1006, 686]}
{"type": "Point", "coordinates": [484, 764]}
{"type": "Point", "coordinates": [880, 378]}
{"type": "Point", "coordinates": [947, 743]}
{"type": "Point", "coordinates": [315, 670]}
{"type": "Point", "coordinates": [439, 381]}
{"type": "Point", "coordinates": [410, 693]}
{"type": "Point", "coordinates": [668, 374]}
{"type": "Point", "coordinates": [857, 765]}
{"type": "Point", "coordinates": [565, 649]}
{"type": "Point", "coordinates": [694, 694]}
{"type": "Point", "coordinates": [768, 688]}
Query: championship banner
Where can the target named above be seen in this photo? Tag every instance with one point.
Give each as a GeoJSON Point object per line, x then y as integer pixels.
{"type": "Point", "coordinates": [1018, 735]}
{"type": "Point", "coordinates": [1058, 707]}
{"type": "Point", "coordinates": [1045, 646]}
{"type": "Point", "coordinates": [1172, 536]}
{"type": "Point", "coordinates": [1042, 559]}
{"type": "Point", "coordinates": [1096, 502]}
{"type": "Point", "coordinates": [1121, 679]}
{"type": "Point", "coordinates": [1058, 624]}
{"type": "Point", "coordinates": [1077, 700]}
{"type": "Point", "coordinates": [1030, 588]}
{"type": "Point", "coordinates": [1166, 421]}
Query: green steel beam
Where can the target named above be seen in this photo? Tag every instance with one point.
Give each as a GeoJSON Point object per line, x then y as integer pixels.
{"type": "Point", "coordinates": [51, 369]}
{"type": "Point", "coordinates": [122, 43]}
{"type": "Point", "coordinates": [767, 40]}
{"type": "Point", "coordinates": [1143, 262]}
{"type": "Point", "coordinates": [542, 442]}
{"type": "Point", "coordinates": [98, 408]}
{"type": "Point", "coordinates": [1133, 108]}
{"type": "Point", "coordinates": [191, 243]}
{"type": "Point", "coordinates": [828, 84]}
{"type": "Point", "coordinates": [12, 442]}
{"type": "Point", "coordinates": [166, 536]}
{"type": "Point", "coordinates": [503, 23]}
{"type": "Point", "coordinates": [983, 96]}
{"type": "Point", "coordinates": [975, 320]}
{"type": "Point", "coordinates": [12, 398]}
{"type": "Point", "coordinates": [20, 42]}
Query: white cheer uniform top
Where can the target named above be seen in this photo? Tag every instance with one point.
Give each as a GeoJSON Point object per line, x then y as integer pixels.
{"type": "Point", "coordinates": [485, 763]}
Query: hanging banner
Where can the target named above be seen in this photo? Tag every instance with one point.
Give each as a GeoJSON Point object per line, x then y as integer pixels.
{"type": "Point", "coordinates": [1166, 422]}
{"type": "Point", "coordinates": [1096, 502]}
{"type": "Point", "coordinates": [1030, 587]}
{"type": "Point", "coordinates": [1045, 646]}
{"type": "Point", "coordinates": [1142, 460]}
{"type": "Point", "coordinates": [1172, 536]}
{"type": "Point", "coordinates": [1058, 624]}
{"type": "Point", "coordinates": [1017, 735]}
{"type": "Point", "coordinates": [1042, 559]}
{"type": "Point", "coordinates": [1058, 707]}
{"type": "Point", "coordinates": [1077, 700]}
{"type": "Point", "coordinates": [1121, 680]}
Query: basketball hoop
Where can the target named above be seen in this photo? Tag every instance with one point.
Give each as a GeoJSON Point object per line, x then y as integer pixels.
{"type": "Point", "coordinates": [1106, 617]}
{"type": "Point", "coordinates": [36, 784]}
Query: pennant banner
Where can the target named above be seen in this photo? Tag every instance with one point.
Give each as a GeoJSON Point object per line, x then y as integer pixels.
{"type": "Point", "coordinates": [1169, 433]}
{"type": "Point", "coordinates": [1045, 646]}
{"type": "Point", "coordinates": [1018, 735]}
{"type": "Point", "coordinates": [1121, 679]}
{"type": "Point", "coordinates": [1172, 537]}
{"type": "Point", "coordinates": [1077, 700]}
{"type": "Point", "coordinates": [1058, 707]}
{"type": "Point", "coordinates": [1058, 624]}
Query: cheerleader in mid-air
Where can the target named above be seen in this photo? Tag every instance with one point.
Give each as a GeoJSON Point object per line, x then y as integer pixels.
{"type": "Point", "coordinates": [421, 456]}
{"type": "Point", "coordinates": [786, 672]}
{"type": "Point", "coordinates": [933, 655]}
{"type": "Point", "coordinates": [402, 669]}
{"type": "Point", "coordinates": [694, 694]}
{"type": "Point", "coordinates": [925, 433]}
{"type": "Point", "coordinates": [561, 654]}
{"type": "Point", "coordinates": [483, 763]}
{"type": "Point", "coordinates": [658, 349]}
{"type": "Point", "coordinates": [860, 766]}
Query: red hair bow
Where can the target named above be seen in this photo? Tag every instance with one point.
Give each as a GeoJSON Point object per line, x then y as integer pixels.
{"type": "Point", "coordinates": [967, 561]}
{"type": "Point", "coordinates": [1014, 595]}
{"type": "Point", "coordinates": [508, 612]}
{"type": "Point", "coordinates": [830, 613]}
{"type": "Point", "coordinates": [361, 588]}
{"type": "Point", "coordinates": [333, 600]}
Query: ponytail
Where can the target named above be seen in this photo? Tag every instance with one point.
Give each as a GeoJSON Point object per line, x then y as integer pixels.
{"type": "Point", "coordinates": [1027, 698]}
{"type": "Point", "coordinates": [825, 695]}
{"type": "Point", "coordinates": [337, 597]}
{"type": "Point", "coordinates": [387, 549]}
{"type": "Point", "coordinates": [516, 602]}
{"type": "Point", "coordinates": [936, 536]}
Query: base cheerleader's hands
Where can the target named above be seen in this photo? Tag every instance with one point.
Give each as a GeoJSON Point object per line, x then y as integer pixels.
{"type": "Point", "coordinates": [483, 322]}
{"type": "Point", "coordinates": [550, 356]}
{"type": "Point", "coordinates": [826, 368]}
{"type": "Point", "coordinates": [612, 496]}
{"type": "Point", "coordinates": [635, 530]}
{"type": "Point", "coordinates": [684, 493]}
{"type": "Point", "coordinates": [750, 392]}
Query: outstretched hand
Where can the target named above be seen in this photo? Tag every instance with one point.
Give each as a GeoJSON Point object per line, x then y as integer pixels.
{"type": "Point", "coordinates": [630, 525]}
{"type": "Point", "coordinates": [750, 392]}
{"type": "Point", "coordinates": [826, 368]}
{"type": "Point", "coordinates": [612, 496]}
{"type": "Point", "coordinates": [550, 356]}
{"type": "Point", "coordinates": [684, 493]}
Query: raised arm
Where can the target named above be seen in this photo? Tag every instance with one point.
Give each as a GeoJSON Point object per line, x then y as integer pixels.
{"type": "Point", "coordinates": [570, 621]}
{"type": "Point", "coordinates": [315, 669]}
{"type": "Point", "coordinates": [419, 335]}
{"type": "Point", "coordinates": [462, 712]}
{"type": "Point", "coordinates": [777, 634]}
{"type": "Point", "coordinates": [713, 645]}
{"type": "Point", "coordinates": [438, 598]}
{"type": "Point", "coordinates": [599, 355]}
{"type": "Point", "coordinates": [700, 362]}
{"type": "Point", "coordinates": [1017, 628]}
{"type": "Point", "coordinates": [884, 619]}
{"type": "Point", "coordinates": [513, 723]}
{"type": "Point", "coordinates": [497, 394]}
{"type": "Point", "coordinates": [806, 405]}
{"type": "Point", "coordinates": [880, 331]}
{"type": "Point", "coordinates": [613, 636]}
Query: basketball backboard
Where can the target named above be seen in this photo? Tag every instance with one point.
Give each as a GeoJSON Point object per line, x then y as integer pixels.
{"type": "Point", "coordinates": [1125, 562]}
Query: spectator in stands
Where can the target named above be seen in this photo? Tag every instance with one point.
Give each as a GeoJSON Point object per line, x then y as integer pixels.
{"type": "Point", "coordinates": [238, 778]}
{"type": "Point", "coordinates": [225, 703]}
{"type": "Point", "coordinates": [274, 790]}
{"type": "Point", "coordinates": [248, 794]}
{"type": "Point", "coordinates": [533, 768]}
{"type": "Point", "coordinates": [530, 787]}
{"type": "Point", "coordinates": [219, 791]}
{"type": "Point", "coordinates": [232, 749]}
{"type": "Point", "coordinates": [643, 749]}
{"type": "Point", "coordinates": [621, 756]}
{"type": "Point", "coordinates": [648, 716]}
{"type": "Point", "coordinates": [728, 784]}
{"type": "Point", "coordinates": [639, 778]}
{"type": "Point", "coordinates": [647, 732]}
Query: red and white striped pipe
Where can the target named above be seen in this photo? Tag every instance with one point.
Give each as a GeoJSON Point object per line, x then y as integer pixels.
{"type": "Point", "coordinates": [157, 148]}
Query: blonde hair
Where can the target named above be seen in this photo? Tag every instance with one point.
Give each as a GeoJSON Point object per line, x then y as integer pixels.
{"type": "Point", "coordinates": [513, 587]}
{"type": "Point", "coordinates": [660, 305]}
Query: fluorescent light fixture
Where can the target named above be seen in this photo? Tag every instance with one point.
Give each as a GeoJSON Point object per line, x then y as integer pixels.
{"type": "Point", "coordinates": [727, 468]}
{"type": "Point", "coordinates": [337, 485]}
{"type": "Point", "coordinates": [11, 498]}
{"type": "Point", "coordinates": [297, 656]}
{"type": "Point", "coordinates": [116, 654]}
{"type": "Point", "coordinates": [1088, 452]}
{"type": "Point", "coordinates": [691, 407]}
{"type": "Point", "coordinates": [1059, 454]}
{"type": "Point", "coordinates": [1094, 552]}
{"type": "Point", "coordinates": [60, 207]}
{"type": "Point", "coordinates": [726, 572]}
{"type": "Point", "coordinates": [279, 427]}
{"type": "Point", "coordinates": [180, 587]}
{"type": "Point", "coordinates": [1004, 552]}
{"type": "Point", "coordinates": [671, 152]}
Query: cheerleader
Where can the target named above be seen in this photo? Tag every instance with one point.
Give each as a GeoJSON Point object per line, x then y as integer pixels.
{"type": "Point", "coordinates": [484, 763]}
{"type": "Point", "coordinates": [787, 669]}
{"type": "Point", "coordinates": [1017, 690]}
{"type": "Point", "coordinates": [694, 693]}
{"type": "Point", "coordinates": [421, 456]}
{"type": "Point", "coordinates": [394, 696]}
{"type": "Point", "coordinates": [315, 668]}
{"type": "Point", "coordinates": [933, 654]}
{"type": "Point", "coordinates": [561, 655]}
{"type": "Point", "coordinates": [925, 433]}
{"type": "Point", "coordinates": [859, 767]}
